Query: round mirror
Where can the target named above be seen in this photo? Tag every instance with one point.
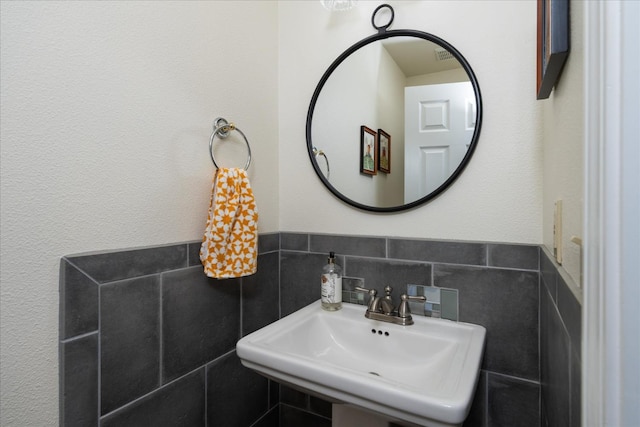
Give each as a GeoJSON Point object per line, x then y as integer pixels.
{"type": "Point", "coordinates": [396, 119]}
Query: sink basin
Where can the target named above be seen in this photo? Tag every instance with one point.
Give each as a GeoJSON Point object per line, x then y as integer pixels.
{"type": "Point", "coordinates": [424, 374]}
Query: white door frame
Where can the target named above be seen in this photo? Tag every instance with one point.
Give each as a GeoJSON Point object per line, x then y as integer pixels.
{"type": "Point", "coordinates": [611, 323]}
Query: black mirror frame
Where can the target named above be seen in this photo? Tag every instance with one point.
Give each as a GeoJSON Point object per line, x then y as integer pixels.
{"type": "Point", "coordinates": [381, 35]}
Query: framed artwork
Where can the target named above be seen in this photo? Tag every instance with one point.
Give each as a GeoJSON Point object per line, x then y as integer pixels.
{"type": "Point", "coordinates": [553, 44]}
{"type": "Point", "coordinates": [384, 151]}
{"type": "Point", "coordinates": [368, 151]}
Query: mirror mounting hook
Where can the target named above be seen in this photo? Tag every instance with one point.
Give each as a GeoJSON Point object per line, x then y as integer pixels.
{"type": "Point", "coordinates": [382, 28]}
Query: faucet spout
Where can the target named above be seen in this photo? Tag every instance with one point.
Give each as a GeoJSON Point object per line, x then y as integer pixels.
{"type": "Point", "coordinates": [386, 303]}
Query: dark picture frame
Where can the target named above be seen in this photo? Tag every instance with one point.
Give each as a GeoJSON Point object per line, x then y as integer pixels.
{"type": "Point", "coordinates": [553, 44]}
{"type": "Point", "coordinates": [368, 151]}
{"type": "Point", "coordinates": [384, 151]}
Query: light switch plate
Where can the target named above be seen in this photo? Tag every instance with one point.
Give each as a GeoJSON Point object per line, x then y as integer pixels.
{"type": "Point", "coordinates": [557, 231]}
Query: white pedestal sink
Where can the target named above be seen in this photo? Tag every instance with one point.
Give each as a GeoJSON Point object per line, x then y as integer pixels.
{"type": "Point", "coordinates": [423, 374]}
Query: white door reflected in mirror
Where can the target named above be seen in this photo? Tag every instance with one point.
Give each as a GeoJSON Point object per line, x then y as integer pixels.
{"type": "Point", "coordinates": [437, 134]}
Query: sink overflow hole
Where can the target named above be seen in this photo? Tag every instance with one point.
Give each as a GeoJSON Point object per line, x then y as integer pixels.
{"type": "Point", "coordinates": [375, 373]}
{"type": "Point", "coordinates": [379, 332]}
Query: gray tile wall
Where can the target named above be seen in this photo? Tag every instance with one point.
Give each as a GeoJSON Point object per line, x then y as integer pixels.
{"type": "Point", "coordinates": [560, 346]}
{"type": "Point", "coordinates": [498, 288]}
{"type": "Point", "coordinates": [146, 339]}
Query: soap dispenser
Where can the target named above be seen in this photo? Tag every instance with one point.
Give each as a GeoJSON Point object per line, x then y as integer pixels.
{"type": "Point", "coordinates": [331, 285]}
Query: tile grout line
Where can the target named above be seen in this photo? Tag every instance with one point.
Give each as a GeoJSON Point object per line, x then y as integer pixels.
{"type": "Point", "coordinates": [79, 337]}
{"type": "Point", "coordinates": [486, 255]}
{"type": "Point", "coordinates": [515, 378]}
{"type": "Point", "coordinates": [280, 275]}
{"type": "Point", "coordinates": [161, 329]}
{"type": "Point", "coordinates": [241, 308]}
{"type": "Point", "coordinates": [541, 288]}
{"type": "Point", "coordinates": [99, 365]}
{"type": "Point", "coordinates": [206, 394]}
{"type": "Point", "coordinates": [486, 400]}
{"type": "Point", "coordinates": [143, 397]}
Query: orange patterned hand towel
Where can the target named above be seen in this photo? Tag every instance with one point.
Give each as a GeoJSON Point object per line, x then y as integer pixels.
{"type": "Point", "coordinates": [230, 244]}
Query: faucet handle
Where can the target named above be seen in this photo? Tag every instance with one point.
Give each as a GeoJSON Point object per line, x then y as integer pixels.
{"type": "Point", "coordinates": [371, 292]}
{"type": "Point", "coordinates": [374, 300]}
{"type": "Point", "coordinates": [403, 309]}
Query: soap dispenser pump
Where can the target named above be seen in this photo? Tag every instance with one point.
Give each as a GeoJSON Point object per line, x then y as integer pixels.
{"type": "Point", "coordinates": [331, 285]}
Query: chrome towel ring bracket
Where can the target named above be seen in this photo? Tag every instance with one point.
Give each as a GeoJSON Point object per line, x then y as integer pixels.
{"type": "Point", "coordinates": [222, 128]}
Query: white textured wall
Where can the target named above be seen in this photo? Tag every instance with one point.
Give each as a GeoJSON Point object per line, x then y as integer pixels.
{"type": "Point", "coordinates": [564, 148]}
{"type": "Point", "coordinates": [106, 116]}
{"type": "Point", "coordinates": [358, 106]}
{"type": "Point", "coordinates": [499, 195]}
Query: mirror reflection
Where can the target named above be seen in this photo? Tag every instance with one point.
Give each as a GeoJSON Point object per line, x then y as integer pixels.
{"type": "Point", "coordinates": [419, 102]}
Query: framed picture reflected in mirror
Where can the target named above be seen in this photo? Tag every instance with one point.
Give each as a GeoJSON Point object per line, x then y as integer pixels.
{"type": "Point", "coordinates": [384, 151]}
{"type": "Point", "coordinates": [368, 151]}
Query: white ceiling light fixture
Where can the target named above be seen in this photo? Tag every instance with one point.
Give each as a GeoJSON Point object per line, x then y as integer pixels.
{"type": "Point", "coordinates": [338, 5]}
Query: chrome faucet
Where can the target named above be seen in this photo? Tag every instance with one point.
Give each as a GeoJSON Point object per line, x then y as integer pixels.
{"type": "Point", "coordinates": [382, 308]}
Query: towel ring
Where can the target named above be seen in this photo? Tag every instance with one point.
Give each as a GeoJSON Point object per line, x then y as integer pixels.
{"type": "Point", "coordinates": [222, 128]}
